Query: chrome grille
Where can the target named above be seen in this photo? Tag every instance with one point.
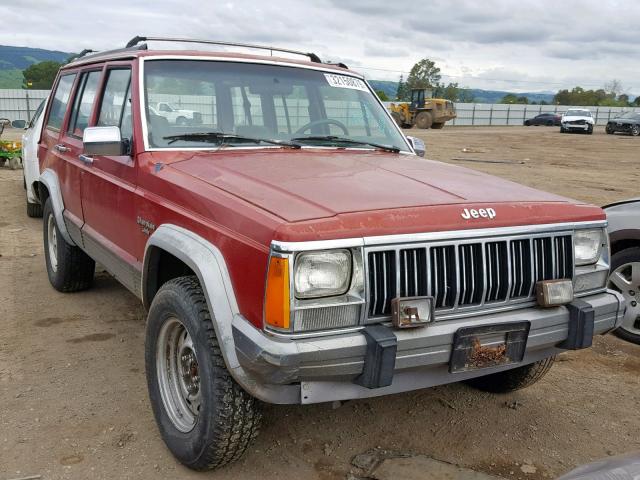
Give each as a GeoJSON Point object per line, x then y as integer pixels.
{"type": "Point", "coordinates": [467, 275]}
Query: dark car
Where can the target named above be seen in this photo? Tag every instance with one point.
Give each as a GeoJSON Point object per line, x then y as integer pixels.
{"type": "Point", "coordinates": [548, 119]}
{"type": "Point", "coordinates": [628, 122]}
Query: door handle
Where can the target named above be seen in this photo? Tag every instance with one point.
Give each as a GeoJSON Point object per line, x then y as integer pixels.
{"type": "Point", "coordinates": [61, 148]}
{"type": "Point", "coordinates": [86, 159]}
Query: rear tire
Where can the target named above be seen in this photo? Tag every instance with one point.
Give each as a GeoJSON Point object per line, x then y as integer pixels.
{"type": "Point", "coordinates": [397, 118]}
{"type": "Point", "coordinates": [424, 120]}
{"type": "Point", "coordinates": [182, 121]}
{"type": "Point", "coordinates": [514, 379]}
{"type": "Point", "coordinates": [527, 123]}
{"type": "Point", "coordinates": [34, 210]}
{"type": "Point", "coordinates": [68, 267]}
{"type": "Point", "coordinates": [205, 418]}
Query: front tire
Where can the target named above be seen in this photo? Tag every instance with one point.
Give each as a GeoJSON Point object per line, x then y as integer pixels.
{"type": "Point", "coordinates": [590, 130]}
{"type": "Point", "coordinates": [514, 379]}
{"type": "Point", "coordinates": [205, 418]}
{"type": "Point", "coordinates": [635, 130]}
{"type": "Point", "coordinates": [68, 267]}
{"type": "Point", "coordinates": [625, 278]}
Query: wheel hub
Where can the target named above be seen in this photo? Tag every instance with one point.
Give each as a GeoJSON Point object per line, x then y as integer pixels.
{"type": "Point", "coordinates": [626, 280]}
{"type": "Point", "coordinates": [178, 375]}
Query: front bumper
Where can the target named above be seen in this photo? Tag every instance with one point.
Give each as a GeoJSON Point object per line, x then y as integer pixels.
{"type": "Point", "coordinates": [619, 127]}
{"type": "Point", "coordinates": [322, 369]}
{"type": "Point", "coordinates": [577, 126]}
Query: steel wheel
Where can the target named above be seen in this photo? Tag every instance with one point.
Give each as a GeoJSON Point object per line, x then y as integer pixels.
{"type": "Point", "coordinates": [178, 375]}
{"type": "Point", "coordinates": [52, 244]}
{"type": "Point", "coordinates": [626, 280]}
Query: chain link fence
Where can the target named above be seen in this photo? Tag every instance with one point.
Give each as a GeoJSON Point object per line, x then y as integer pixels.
{"type": "Point", "coordinates": [18, 104]}
{"type": "Point", "coordinates": [505, 114]}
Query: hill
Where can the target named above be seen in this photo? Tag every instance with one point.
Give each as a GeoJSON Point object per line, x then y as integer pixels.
{"type": "Point", "coordinates": [13, 60]}
{"type": "Point", "coordinates": [479, 95]}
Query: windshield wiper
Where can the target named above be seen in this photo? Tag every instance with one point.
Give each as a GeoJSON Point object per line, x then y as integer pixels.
{"type": "Point", "coordinates": [350, 141]}
{"type": "Point", "coordinates": [222, 136]}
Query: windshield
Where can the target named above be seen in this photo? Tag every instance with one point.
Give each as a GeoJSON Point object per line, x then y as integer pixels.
{"type": "Point", "coordinates": [261, 101]}
{"type": "Point", "coordinates": [578, 113]}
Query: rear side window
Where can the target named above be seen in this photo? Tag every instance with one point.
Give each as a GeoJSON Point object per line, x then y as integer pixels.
{"type": "Point", "coordinates": [115, 110]}
{"type": "Point", "coordinates": [83, 103]}
{"type": "Point", "coordinates": [60, 101]}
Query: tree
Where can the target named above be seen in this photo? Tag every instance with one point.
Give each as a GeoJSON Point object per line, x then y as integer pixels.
{"type": "Point", "coordinates": [636, 102]}
{"type": "Point", "coordinates": [402, 92]}
{"type": "Point", "coordinates": [453, 92]}
{"type": "Point", "coordinates": [40, 75]}
{"type": "Point", "coordinates": [382, 96]}
{"type": "Point", "coordinates": [424, 74]}
{"type": "Point", "coordinates": [513, 98]}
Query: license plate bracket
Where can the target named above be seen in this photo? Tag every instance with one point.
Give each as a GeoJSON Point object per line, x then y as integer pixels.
{"type": "Point", "coordinates": [488, 346]}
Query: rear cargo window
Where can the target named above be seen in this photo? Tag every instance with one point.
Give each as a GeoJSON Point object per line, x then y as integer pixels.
{"type": "Point", "coordinates": [60, 101]}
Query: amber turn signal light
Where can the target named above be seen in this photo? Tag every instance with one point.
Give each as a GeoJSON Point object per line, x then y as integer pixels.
{"type": "Point", "coordinates": [276, 309]}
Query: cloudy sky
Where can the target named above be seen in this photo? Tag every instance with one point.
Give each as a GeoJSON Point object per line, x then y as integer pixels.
{"type": "Point", "coordinates": [540, 45]}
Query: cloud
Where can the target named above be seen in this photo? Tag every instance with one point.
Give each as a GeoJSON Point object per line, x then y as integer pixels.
{"type": "Point", "coordinates": [534, 45]}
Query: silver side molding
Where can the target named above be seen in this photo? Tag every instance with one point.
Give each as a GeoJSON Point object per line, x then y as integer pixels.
{"type": "Point", "coordinates": [50, 179]}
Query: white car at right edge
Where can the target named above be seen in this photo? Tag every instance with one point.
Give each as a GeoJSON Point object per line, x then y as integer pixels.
{"type": "Point", "coordinates": [577, 120]}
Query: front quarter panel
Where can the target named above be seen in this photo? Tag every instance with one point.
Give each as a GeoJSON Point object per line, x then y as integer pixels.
{"type": "Point", "coordinates": [624, 221]}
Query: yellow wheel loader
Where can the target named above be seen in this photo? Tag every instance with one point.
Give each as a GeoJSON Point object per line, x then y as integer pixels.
{"type": "Point", "coordinates": [423, 111]}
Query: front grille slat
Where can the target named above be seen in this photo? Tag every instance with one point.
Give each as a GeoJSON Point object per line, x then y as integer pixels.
{"type": "Point", "coordinates": [467, 275]}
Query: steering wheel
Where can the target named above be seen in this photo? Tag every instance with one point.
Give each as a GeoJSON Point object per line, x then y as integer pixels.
{"type": "Point", "coordinates": [323, 121]}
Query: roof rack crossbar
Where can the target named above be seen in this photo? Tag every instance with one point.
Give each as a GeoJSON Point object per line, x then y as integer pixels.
{"type": "Point", "coordinates": [137, 39]}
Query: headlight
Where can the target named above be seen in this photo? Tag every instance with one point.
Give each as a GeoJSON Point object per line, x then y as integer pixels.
{"type": "Point", "coordinates": [587, 246]}
{"type": "Point", "coordinates": [322, 274]}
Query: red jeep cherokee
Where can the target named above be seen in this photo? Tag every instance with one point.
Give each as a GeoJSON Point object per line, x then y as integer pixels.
{"type": "Point", "coordinates": [291, 247]}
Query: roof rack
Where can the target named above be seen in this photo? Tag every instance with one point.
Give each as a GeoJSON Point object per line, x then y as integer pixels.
{"type": "Point", "coordinates": [91, 54]}
{"type": "Point", "coordinates": [84, 52]}
{"type": "Point", "coordinates": [137, 39]}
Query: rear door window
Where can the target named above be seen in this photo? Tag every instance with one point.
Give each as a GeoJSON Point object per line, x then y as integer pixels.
{"type": "Point", "coordinates": [83, 103]}
{"type": "Point", "coordinates": [60, 101]}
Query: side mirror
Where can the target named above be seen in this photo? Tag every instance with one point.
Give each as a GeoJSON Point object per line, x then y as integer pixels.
{"type": "Point", "coordinates": [102, 141]}
{"type": "Point", "coordinates": [19, 124]}
{"type": "Point", "coordinates": [418, 145]}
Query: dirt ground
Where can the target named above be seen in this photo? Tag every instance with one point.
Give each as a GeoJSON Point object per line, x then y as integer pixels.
{"type": "Point", "coordinates": [73, 400]}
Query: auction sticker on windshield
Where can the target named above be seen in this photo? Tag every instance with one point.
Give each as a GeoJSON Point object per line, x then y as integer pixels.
{"type": "Point", "coordinates": [342, 81]}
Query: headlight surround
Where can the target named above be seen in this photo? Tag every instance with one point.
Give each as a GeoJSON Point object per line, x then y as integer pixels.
{"type": "Point", "coordinates": [587, 246]}
{"type": "Point", "coordinates": [322, 274]}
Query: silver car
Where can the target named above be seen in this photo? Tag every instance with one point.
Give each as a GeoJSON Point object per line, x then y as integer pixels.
{"type": "Point", "coordinates": [624, 231]}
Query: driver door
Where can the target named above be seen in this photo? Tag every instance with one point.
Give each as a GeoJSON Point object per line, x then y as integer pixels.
{"type": "Point", "coordinates": [109, 184]}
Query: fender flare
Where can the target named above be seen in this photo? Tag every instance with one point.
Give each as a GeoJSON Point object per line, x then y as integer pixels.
{"type": "Point", "coordinates": [209, 265]}
{"type": "Point", "coordinates": [49, 179]}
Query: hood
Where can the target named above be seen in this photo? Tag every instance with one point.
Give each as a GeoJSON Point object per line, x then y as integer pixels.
{"type": "Point", "coordinates": [302, 185]}
{"type": "Point", "coordinates": [572, 118]}
{"type": "Point", "coordinates": [624, 120]}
